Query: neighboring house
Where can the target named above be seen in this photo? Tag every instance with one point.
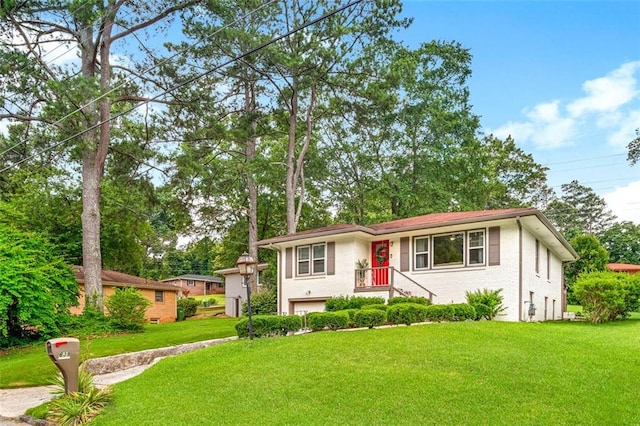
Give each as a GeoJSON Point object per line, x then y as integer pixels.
{"type": "Point", "coordinates": [235, 291]}
{"type": "Point", "coordinates": [440, 256]}
{"type": "Point", "coordinates": [163, 297]}
{"type": "Point", "coordinates": [624, 267]}
{"type": "Point", "coordinates": [197, 285]}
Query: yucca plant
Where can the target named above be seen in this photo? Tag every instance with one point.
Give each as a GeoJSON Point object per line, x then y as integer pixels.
{"type": "Point", "coordinates": [77, 408]}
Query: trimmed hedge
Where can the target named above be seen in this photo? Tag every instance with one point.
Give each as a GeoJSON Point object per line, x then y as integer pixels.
{"type": "Point", "coordinates": [377, 306]}
{"type": "Point", "coordinates": [369, 318]}
{"type": "Point", "coordinates": [463, 312]}
{"type": "Point", "coordinates": [341, 303]}
{"type": "Point", "coordinates": [439, 313]}
{"type": "Point", "coordinates": [317, 321]}
{"type": "Point", "coordinates": [409, 299]}
{"type": "Point", "coordinates": [268, 325]}
{"type": "Point", "coordinates": [407, 313]}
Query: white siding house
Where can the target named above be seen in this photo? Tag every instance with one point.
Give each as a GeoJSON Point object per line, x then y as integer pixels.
{"type": "Point", "coordinates": [235, 292]}
{"type": "Point", "coordinates": [440, 256]}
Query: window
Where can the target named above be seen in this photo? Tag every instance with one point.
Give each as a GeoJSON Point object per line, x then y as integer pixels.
{"type": "Point", "coordinates": [191, 283]}
{"type": "Point", "coordinates": [159, 296]}
{"type": "Point", "coordinates": [448, 250]}
{"type": "Point", "coordinates": [311, 259]}
{"type": "Point", "coordinates": [421, 250]}
{"type": "Point", "coordinates": [476, 248]}
{"type": "Point", "coordinates": [220, 285]}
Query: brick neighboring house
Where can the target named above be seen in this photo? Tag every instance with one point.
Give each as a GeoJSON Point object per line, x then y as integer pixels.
{"type": "Point", "coordinates": [197, 285]}
{"type": "Point", "coordinates": [163, 296]}
{"type": "Point", "coordinates": [624, 267]}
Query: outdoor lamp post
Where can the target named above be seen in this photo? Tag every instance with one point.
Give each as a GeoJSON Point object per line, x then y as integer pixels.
{"type": "Point", "coordinates": [247, 266]}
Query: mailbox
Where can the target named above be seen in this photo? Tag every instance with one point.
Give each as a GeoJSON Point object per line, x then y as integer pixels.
{"type": "Point", "coordinates": [65, 354]}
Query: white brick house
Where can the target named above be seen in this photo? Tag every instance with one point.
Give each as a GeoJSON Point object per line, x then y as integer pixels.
{"type": "Point", "coordinates": [439, 255]}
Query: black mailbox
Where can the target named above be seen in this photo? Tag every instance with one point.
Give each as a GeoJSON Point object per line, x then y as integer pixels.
{"type": "Point", "coordinates": [65, 354]}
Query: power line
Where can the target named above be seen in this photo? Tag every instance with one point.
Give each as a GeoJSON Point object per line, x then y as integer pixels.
{"type": "Point", "coordinates": [113, 89]}
{"type": "Point", "coordinates": [582, 159]}
{"type": "Point", "coordinates": [194, 78]}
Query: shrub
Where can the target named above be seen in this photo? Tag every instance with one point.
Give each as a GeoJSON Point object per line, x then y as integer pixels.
{"type": "Point", "coordinates": [317, 321]}
{"type": "Point", "coordinates": [440, 313]}
{"type": "Point", "coordinates": [492, 299]}
{"type": "Point", "coordinates": [352, 314]}
{"type": "Point", "coordinates": [407, 313]}
{"type": "Point", "coordinates": [409, 299]}
{"type": "Point", "coordinates": [377, 306]}
{"type": "Point", "coordinates": [605, 296]}
{"type": "Point", "coordinates": [268, 325]}
{"type": "Point", "coordinates": [290, 323]}
{"type": "Point", "coordinates": [264, 303]}
{"type": "Point", "coordinates": [369, 318]}
{"type": "Point", "coordinates": [189, 305]}
{"type": "Point", "coordinates": [80, 407]}
{"type": "Point", "coordinates": [127, 308]}
{"type": "Point", "coordinates": [463, 311]}
{"type": "Point", "coordinates": [341, 303]}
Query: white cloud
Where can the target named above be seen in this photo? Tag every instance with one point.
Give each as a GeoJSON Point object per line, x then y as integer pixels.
{"type": "Point", "coordinates": [610, 108]}
{"type": "Point", "coordinates": [607, 93]}
{"type": "Point", "coordinates": [624, 201]}
{"type": "Point", "coordinates": [545, 127]}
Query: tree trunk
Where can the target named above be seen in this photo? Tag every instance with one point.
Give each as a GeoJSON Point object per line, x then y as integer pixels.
{"type": "Point", "coordinates": [250, 153]}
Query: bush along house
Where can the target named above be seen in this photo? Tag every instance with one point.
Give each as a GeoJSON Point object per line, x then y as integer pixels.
{"type": "Point", "coordinates": [440, 256]}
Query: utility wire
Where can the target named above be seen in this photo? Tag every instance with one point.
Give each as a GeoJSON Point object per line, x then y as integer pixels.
{"type": "Point", "coordinates": [194, 78]}
{"type": "Point", "coordinates": [113, 89]}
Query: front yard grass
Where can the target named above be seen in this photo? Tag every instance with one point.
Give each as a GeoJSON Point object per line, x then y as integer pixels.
{"type": "Point", "coordinates": [32, 367]}
{"type": "Point", "coordinates": [484, 373]}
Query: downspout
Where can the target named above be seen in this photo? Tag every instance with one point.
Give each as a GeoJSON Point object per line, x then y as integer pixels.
{"type": "Point", "coordinates": [519, 268]}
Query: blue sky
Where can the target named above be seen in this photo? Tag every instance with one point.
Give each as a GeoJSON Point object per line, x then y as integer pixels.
{"type": "Point", "coordinates": [562, 77]}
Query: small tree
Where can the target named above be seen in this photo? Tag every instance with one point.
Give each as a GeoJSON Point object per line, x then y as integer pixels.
{"type": "Point", "coordinates": [127, 308]}
{"type": "Point", "coordinates": [593, 257]}
{"type": "Point", "coordinates": [36, 288]}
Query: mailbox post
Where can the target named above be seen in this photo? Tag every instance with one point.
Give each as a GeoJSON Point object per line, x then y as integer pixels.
{"type": "Point", "coordinates": [65, 354]}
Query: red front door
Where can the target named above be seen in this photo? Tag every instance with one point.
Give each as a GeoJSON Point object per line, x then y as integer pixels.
{"type": "Point", "coordinates": [380, 262]}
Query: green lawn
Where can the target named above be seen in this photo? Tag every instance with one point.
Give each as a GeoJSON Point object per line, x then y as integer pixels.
{"type": "Point", "coordinates": [478, 373]}
{"type": "Point", "coordinates": [219, 298]}
{"type": "Point", "coordinates": [32, 367]}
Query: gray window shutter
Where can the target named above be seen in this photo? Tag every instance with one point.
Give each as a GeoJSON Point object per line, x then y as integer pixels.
{"type": "Point", "coordinates": [404, 254]}
{"type": "Point", "coordinates": [494, 246]}
{"type": "Point", "coordinates": [331, 258]}
{"type": "Point", "coordinates": [288, 263]}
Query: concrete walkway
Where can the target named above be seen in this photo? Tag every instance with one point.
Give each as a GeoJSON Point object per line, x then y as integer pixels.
{"type": "Point", "coordinates": [14, 402]}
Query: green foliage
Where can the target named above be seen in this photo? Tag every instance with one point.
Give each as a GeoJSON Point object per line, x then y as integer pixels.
{"type": "Point", "coordinates": [606, 296]}
{"type": "Point", "coordinates": [487, 303]}
{"type": "Point", "coordinates": [36, 288]}
{"type": "Point", "coordinates": [80, 407]}
{"type": "Point", "coordinates": [189, 305]}
{"type": "Point", "coordinates": [407, 313]}
{"type": "Point", "coordinates": [409, 299]}
{"type": "Point", "coordinates": [369, 318]}
{"type": "Point", "coordinates": [127, 308]}
{"type": "Point", "coordinates": [380, 306]}
{"type": "Point", "coordinates": [91, 322]}
{"type": "Point", "coordinates": [438, 313]}
{"type": "Point", "coordinates": [340, 303]}
{"type": "Point", "coordinates": [264, 303]}
{"type": "Point", "coordinates": [593, 257]}
{"type": "Point", "coordinates": [622, 241]}
{"type": "Point", "coordinates": [268, 325]}
{"type": "Point", "coordinates": [317, 321]}
{"type": "Point", "coordinates": [463, 311]}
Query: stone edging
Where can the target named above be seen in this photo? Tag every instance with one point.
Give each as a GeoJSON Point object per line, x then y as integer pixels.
{"type": "Point", "coordinates": [110, 364]}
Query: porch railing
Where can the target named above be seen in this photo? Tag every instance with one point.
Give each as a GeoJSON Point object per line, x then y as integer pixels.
{"type": "Point", "coordinates": [391, 279]}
